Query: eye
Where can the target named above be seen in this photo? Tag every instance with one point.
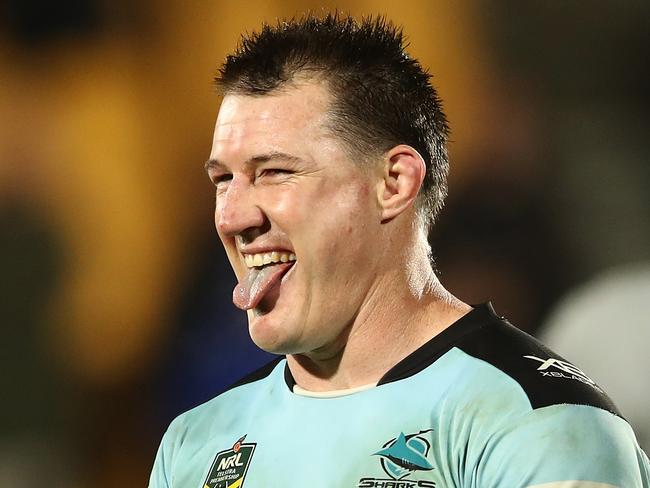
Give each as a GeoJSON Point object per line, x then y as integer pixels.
{"type": "Point", "coordinates": [218, 180]}
{"type": "Point", "coordinates": [271, 172]}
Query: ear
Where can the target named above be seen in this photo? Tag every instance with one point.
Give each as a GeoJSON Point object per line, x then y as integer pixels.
{"type": "Point", "coordinates": [403, 173]}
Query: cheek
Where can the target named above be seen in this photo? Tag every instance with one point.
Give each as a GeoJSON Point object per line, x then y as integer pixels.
{"type": "Point", "coordinates": [289, 208]}
{"type": "Point", "coordinates": [345, 225]}
{"type": "Point", "coordinates": [353, 210]}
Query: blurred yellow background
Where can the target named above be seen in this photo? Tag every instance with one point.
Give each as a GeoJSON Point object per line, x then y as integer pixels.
{"type": "Point", "coordinates": [109, 259]}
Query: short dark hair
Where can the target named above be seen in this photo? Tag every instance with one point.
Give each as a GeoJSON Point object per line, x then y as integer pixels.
{"type": "Point", "coordinates": [381, 96]}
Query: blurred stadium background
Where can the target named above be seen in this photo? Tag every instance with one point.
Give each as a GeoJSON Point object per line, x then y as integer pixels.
{"type": "Point", "coordinates": [114, 291]}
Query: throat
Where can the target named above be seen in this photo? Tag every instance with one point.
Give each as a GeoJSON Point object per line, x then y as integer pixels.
{"type": "Point", "coordinates": [373, 345]}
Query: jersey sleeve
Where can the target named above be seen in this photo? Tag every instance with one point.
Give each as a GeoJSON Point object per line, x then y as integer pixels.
{"type": "Point", "coordinates": [158, 477]}
{"type": "Point", "coordinates": [563, 446]}
{"type": "Point", "coordinates": [162, 467]}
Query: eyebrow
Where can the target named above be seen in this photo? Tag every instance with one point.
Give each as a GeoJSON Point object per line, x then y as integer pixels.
{"type": "Point", "coordinates": [255, 160]}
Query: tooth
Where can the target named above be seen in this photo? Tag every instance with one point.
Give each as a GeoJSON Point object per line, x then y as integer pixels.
{"type": "Point", "coordinates": [249, 260]}
{"type": "Point", "coordinates": [258, 260]}
{"type": "Point", "coordinates": [267, 258]}
{"type": "Point", "coordinates": [284, 257]}
{"type": "Point", "coordinates": [275, 256]}
{"type": "Point", "coordinates": [292, 257]}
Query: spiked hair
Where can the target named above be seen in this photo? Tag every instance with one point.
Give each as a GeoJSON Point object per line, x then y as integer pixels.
{"type": "Point", "coordinates": [381, 96]}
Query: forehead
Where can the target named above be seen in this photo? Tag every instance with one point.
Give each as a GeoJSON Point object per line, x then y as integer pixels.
{"type": "Point", "coordinates": [283, 120]}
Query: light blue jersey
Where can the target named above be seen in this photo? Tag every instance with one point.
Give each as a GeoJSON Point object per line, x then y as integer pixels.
{"type": "Point", "coordinates": [481, 405]}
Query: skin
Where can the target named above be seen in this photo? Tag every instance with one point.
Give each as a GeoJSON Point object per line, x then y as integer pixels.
{"type": "Point", "coordinates": [362, 294]}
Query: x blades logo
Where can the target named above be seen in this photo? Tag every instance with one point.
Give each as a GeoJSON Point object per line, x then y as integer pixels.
{"type": "Point", "coordinates": [400, 458]}
{"type": "Point", "coordinates": [230, 466]}
{"type": "Point", "coordinates": [556, 368]}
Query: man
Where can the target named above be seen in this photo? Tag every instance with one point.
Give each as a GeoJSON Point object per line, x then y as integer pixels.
{"type": "Point", "coordinates": [329, 164]}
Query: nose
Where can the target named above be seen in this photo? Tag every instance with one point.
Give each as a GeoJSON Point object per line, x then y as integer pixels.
{"type": "Point", "coordinates": [236, 210]}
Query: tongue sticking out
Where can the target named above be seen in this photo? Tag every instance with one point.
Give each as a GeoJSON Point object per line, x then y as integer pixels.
{"type": "Point", "coordinates": [249, 291]}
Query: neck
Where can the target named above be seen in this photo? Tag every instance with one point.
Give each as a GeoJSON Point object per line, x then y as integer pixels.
{"type": "Point", "coordinates": [405, 308]}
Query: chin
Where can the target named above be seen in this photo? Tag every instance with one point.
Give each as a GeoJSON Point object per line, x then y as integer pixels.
{"type": "Point", "coordinates": [271, 335]}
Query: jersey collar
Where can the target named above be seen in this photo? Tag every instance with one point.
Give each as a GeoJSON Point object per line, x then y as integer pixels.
{"type": "Point", "coordinates": [430, 351]}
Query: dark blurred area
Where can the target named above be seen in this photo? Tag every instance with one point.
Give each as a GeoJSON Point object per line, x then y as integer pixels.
{"type": "Point", "coordinates": [115, 293]}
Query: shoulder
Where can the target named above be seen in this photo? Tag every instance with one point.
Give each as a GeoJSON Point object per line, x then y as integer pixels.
{"type": "Point", "coordinates": [544, 377]}
{"type": "Point", "coordinates": [190, 432]}
{"type": "Point", "coordinates": [257, 375]}
{"type": "Point", "coordinates": [533, 415]}
{"type": "Point", "coordinates": [208, 416]}
{"type": "Point", "coordinates": [538, 416]}
{"type": "Point", "coordinates": [563, 442]}
{"type": "Point", "coordinates": [483, 359]}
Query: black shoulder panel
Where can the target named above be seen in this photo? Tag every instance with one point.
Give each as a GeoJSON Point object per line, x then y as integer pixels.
{"type": "Point", "coordinates": [547, 378]}
{"type": "Point", "coordinates": [258, 374]}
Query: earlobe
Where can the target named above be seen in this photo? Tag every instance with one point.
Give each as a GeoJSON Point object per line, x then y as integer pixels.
{"type": "Point", "coordinates": [403, 174]}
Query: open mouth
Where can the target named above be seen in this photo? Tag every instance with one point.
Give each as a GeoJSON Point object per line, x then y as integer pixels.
{"type": "Point", "coordinates": [265, 270]}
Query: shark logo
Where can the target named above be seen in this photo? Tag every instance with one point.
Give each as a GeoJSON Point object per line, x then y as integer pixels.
{"type": "Point", "coordinates": [405, 454]}
{"type": "Point", "coordinates": [400, 458]}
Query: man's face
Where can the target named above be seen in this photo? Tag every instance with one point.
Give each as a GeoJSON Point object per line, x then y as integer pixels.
{"type": "Point", "coordinates": [284, 184]}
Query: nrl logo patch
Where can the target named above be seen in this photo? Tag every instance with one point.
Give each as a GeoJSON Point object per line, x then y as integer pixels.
{"type": "Point", "coordinates": [229, 467]}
